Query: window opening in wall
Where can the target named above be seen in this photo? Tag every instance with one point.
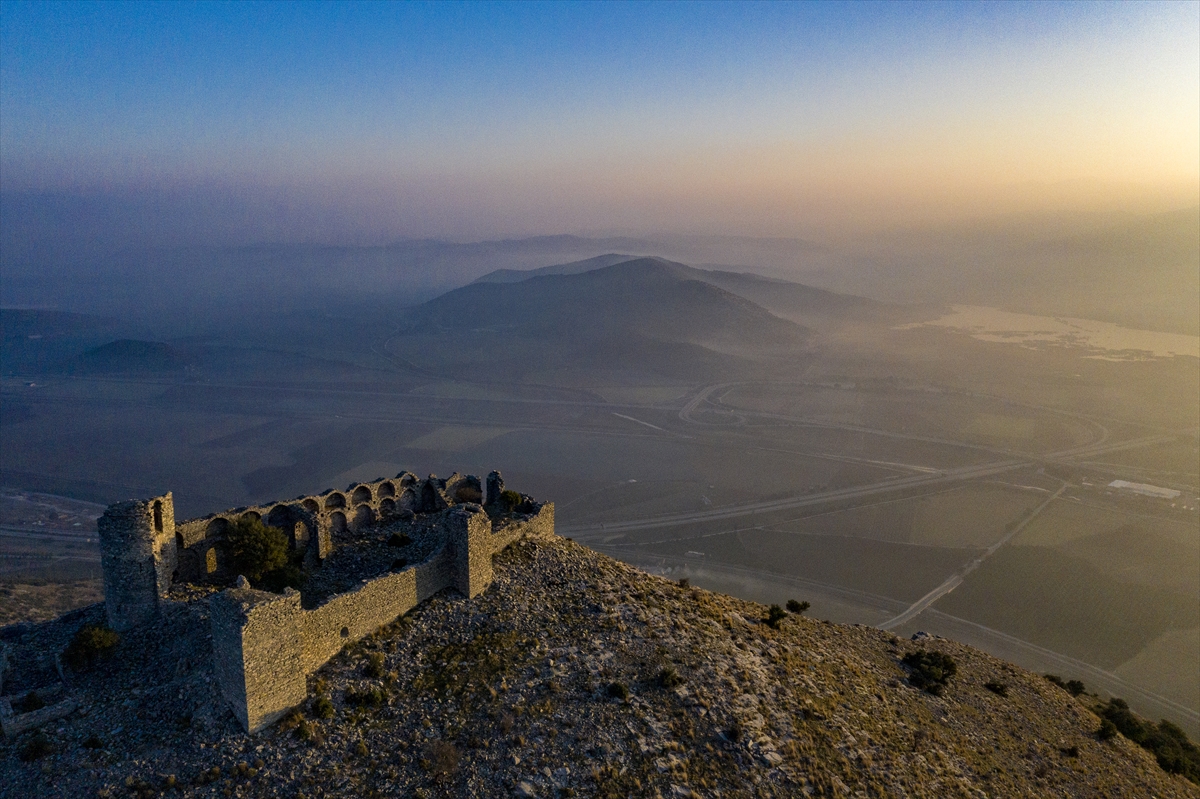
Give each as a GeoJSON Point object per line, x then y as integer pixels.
{"type": "Point", "coordinates": [345, 632]}
{"type": "Point", "coordinates": [158, 522]}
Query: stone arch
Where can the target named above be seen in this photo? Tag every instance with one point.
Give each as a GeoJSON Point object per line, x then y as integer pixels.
{"type": "Point", "coordinates": [406, 479]}
{"type": "Point", "coordinates": [217, 528]}
{"type": "Point", "coordinates": [250, 516]}
{"type": "Point", "coordinates": [387, 508]}
{"type": "Point", "coordinates": [407, 499]}
{"type": "Point", "coordinates": [335, 500]}
{"type": "Point", "coordinates": [300, 534]}
{"type": "Point", "coordinates": [281, 517]}
{"type": "Point", "coordinates": [337, 522]}
{"type": "Point", "coordinates": [311, 505]}
{"type": "Point", "coordinates": [361, 494]}
{"type": "Point", "coordinates": [386, 489]}
{"type": "Point", "coordinates": [158, 516]}
{"type": "Point", "coordinates": [363, 517]}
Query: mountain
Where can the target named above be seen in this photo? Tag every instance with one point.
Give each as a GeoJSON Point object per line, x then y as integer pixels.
{"type": "Point", "coordinates": [573, 268]}
{"type": "Point", "coordinates": [130, 355]}
{"type": "Point", "coordinates": [785, 298]}
{"type": "Point", "coordinates": [645, 313]}
{"type": "Point", "coordinates": [576, 675]}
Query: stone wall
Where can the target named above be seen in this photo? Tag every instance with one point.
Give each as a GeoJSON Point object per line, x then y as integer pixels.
{"type": "Point", "coordinates": [311, 521]}
{"type": "Point", "coordinates": [265, 645]}
{"type": "Point", "coordinates": [138, 555]}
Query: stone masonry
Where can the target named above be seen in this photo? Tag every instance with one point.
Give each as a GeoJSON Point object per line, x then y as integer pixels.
{"type": "Point", "coordinates": [264, 645]}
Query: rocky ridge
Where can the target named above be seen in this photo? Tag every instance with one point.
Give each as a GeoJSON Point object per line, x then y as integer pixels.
{"type": "Point", "coordinates": [572, 675]}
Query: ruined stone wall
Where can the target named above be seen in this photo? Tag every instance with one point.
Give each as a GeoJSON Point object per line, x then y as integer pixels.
{"type": "Point", "coordinates": [138, 555]}
{"type": "Point", "coordinates": [287, 640]}
{"type": "Point", "coordinates": [311, 521]}
{"type": "Point", "coordinates": [265, 645]}
{"type": "Point", "coordinates": [258, 653]}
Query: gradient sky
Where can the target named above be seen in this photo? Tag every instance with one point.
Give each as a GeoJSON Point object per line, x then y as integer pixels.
{"type": "Point", "coordinates": [384, 120]}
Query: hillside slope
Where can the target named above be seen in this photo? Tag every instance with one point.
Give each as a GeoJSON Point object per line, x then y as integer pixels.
{"type": "Point", "coordinates": [576, 675]}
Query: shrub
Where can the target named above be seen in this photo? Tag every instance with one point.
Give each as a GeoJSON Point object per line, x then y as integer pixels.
{"type": "Point", "coordinates": [1073, 687]}
{"type": "Point", "coordinates": [510, 500]}
{"type": "Point", "coordinates": [1168, 743]}
{"type": "Point", "coordinates": [322, 708]}
{"type": "Point", "coordinates": [684, 583]}
{"type": "Point", "coordinates": [797, 607]}
{"type": "Point", "coordinates": [443, 759]}
{"type": "Point", "coordinates": [35, 747]}
{"type": "Point", "coordinates": [29, 703]}
{"type": "Point", "coordinates": [374, 667]}
{"type": "Point", "coordinates": [668, 677]}
{"type": "Point", "coordinates": [618, 690]}
{"type": "Point", "coordinates": [255, 548]}
{"type": "Point", "coordinates": [366, 697]}
{"type": "Point", "coordinates": [1107, 730]}
{"type": "Point", "coordinates": [90, 643]}
{"type": "Point", "coordinates": [931, 671]}
{"type": "Point", "coordinates": [775, 614]}
{"type": "Point", "coordinates": [998, 688]}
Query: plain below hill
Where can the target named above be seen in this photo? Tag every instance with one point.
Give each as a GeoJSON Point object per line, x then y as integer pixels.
{"type": "Point", "coordinates": [648, 314]}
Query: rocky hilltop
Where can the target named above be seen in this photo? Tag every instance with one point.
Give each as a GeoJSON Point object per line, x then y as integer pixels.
{"type": "Point", "coordinates": [573, 675]}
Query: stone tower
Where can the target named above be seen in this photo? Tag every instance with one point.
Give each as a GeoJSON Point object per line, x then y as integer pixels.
{"type": "Point", "coordinates": [138, 553]}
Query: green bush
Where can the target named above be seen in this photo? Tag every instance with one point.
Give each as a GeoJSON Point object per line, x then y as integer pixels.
{"type": "Point", "coordinates": [931, 671]}
{"type": "Point", "coordinates": [374, 667]}
{"type": "Point", "coordinates": [618, 690]}
{"type": "Point", "coordinates": [366, 697]}
{"type": "Point", "coordinates": [775, 614]}
{"type": "Point", "coordinates": [510, 500]}
{"type": "Point", "coordinates": [797, 607]}
{"type": "Point", "coordinates": [90, 643]}
{"type": "Point", "coordinates": [998, 688]}
{"type": "Point", "coordinates": [1107, 730]}
{"type": "Point", "coordinates": [668, 677]}
{"type": "Point", "coordinates": [1167, 742]}
{"type": "Point", "coordinates": [256, 549]}
{"type": "Point", "coordinates": [322, 707]}
{"type": "Point", "coordinates": [1073, 687]}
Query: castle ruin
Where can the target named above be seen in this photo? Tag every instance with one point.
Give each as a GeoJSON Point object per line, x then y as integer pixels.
{"type": "Point", "coordinates": [264, 645]}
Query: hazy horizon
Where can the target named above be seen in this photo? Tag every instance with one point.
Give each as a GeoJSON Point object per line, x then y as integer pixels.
{"type": "Point", "coordinates": [358, 124]}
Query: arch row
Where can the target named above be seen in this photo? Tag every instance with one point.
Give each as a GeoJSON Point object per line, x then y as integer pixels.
{"type": "Point", "coordinates": [312, 522]}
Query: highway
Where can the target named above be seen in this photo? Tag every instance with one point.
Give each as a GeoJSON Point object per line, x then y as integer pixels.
{"type": "Point", "coordinates": [591, 531]}
{"type": "Point", "coordinates": [955, 580]}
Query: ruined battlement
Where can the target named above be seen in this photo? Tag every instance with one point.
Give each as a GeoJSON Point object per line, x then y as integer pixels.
{"type": "Point", "coordinates": [265, 644]}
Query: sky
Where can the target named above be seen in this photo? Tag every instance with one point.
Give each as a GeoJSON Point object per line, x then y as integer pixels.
{"type": "Point", "coordinates": [370, 122]}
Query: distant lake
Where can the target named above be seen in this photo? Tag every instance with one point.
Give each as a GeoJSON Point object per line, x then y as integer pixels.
{"type": "Point", "coordinates": [1106, 340]}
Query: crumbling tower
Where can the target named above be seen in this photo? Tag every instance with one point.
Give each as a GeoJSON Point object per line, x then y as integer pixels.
{"type": "Point", "coordinates": [138, 553]}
